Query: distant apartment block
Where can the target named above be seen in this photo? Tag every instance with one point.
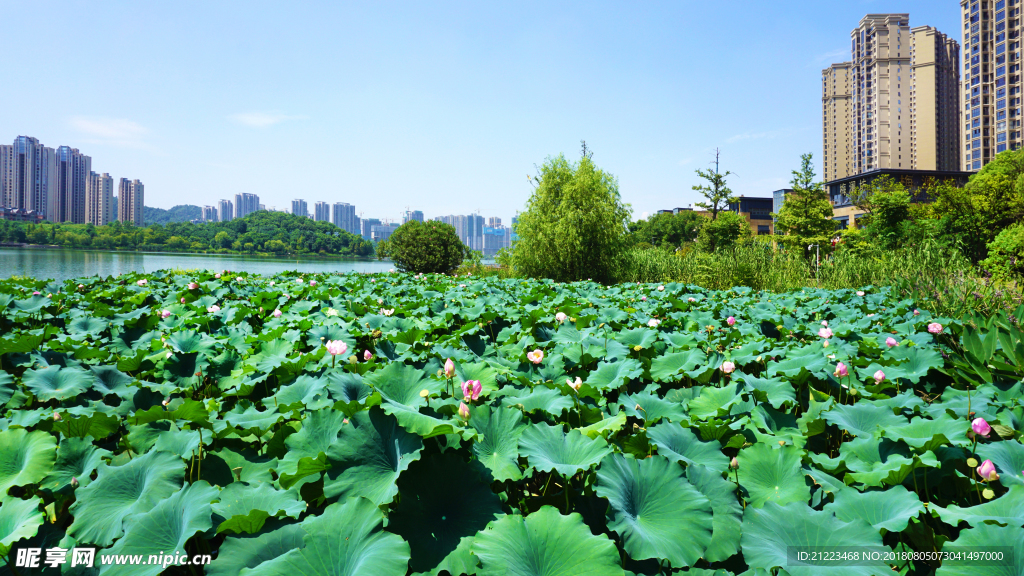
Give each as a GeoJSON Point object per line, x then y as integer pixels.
{"type": "Point", "coordinates": [896, 76]}
{"type": "Point", "coordinates": [99, 199]}
{"type": "Point", "coordinates": [344, 217]}
{"type": "Point", "coordinates": [992, 85]}
{"type": "Point", "coordinates": [209, 214]}
{"type": "Point", "coordinates": [73, 169]}
{"type": "Point", "coordinates": [299, 208]}
{"type": "Point", "coordinates": [469, 228]}
{"type": "Point", "coordinates": [408, 216]}
{"type": "Point", "coordinates": [494, 222]}
{"type": "Point", "coordinates": [225, 211]}
{"type": "Point", "coordinates": [380, 232]}
{"type": "Point", "coordinates": [367, 225]}
{"type": "Point", "coordinates": [130, 200]}
{"type": "Point", "coordinates": [28, 176]}
{"type": "Point", "coordinates": [246, 204]}
{"type": "Point", "coordinates": [322, 212]}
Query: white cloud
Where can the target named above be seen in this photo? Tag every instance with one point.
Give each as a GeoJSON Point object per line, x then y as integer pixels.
{"type": "Point", "coordinates": [261, 119]}
{"type": "Point", "coordinates": [840, 55]}
{"type": "Point", "coordinates": [111, 131]}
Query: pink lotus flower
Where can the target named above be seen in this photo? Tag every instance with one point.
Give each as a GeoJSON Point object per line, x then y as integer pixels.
{"type": "Point", "coordinates": [142, 282]}
{"type": "Point", "coordinates": [890, 342]}
{"type": "Point", "coordinates": [824, 344]}
{"type": "Point", "coordinates": [165, 313]}
{"type": "Point", "coordinates": [193, 286]}
{"type": "Point", "coordinates": [536, 356]}
{"type": "Point", "coordinates": [935, 328]}
{"type": "Point", "coordinates": [727, 367]}
{"type": "Point", "coordinates": [841, 370]}
{"type": "Point", "coordinates": [643, 298]}
{"type": "Point", "coordinates": [917, 312]}
{"type": "Point", "coordinates": [879, 376]}
{"type": "Point", "coordinates": [653, 322]}
{"type": "Point", "coordinates": [213, 309]}
{"type": "Point", "coordinates": [471, 389]}
{"type": "Point", "coordinates": [462, 285]}
{"type": "Point", "coordinates": [391, 271]}
{"type": "Point", "coordinates": [987, 471]}
{"type": "Point", "coordinates": [825, 332]}
{"type": "Point", "coordinates": [182, 300]}
{"type": "Point", "coordinates": [575, 385]}
{"type": "Point", "coordinates": [80, 286]}
{"type": "Point", "coordinates": [336, 347]}
{"type": "Point", "coordinates": [463, 411]}
{"type": "Point", "coordinates": [271, 282]}
{"type": "Point", "coordinates": [661, 288]}
{"type": "Point", "coordinates": [449, 368]}
{"type": "Point", "coordinates": [216, 275]}
{"type": "Point", "coordinates": [387, 312]}
{"type": "Point", "coordinates": [860, 292]}
{"type": "Point", "coordinates": [981, 427]}
{"type": "Point", "coordinates": [691, 299]}
{"type": "Point", "coordinates": [730, 321]}
{"type": "Point", "coordinates": [560, 316]}
{"type": "Point", "coordinates": [299, 281]}
{"type": "Point", "coordinates": [312, 282]}
{"type": "Point", "coordinates": [367, 356]}
{"type": "Point", "coordinates": [56, 416]}
{"type": "Point", "coordinates": [239, 279]}
{"type": "Point", "coordinates": [824, 322]}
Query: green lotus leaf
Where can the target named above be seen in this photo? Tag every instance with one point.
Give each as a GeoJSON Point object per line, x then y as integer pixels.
{"type": "Point", "coordinates": [253, 419]}
{"type": "Point", "coordinates": [347, 387]}
{"type": "Point", "coordinates": [544, 543]}
{"type": "Point", "coordinates": [306, 391]}
{"type": "Point", "coordinates": [924, 434]}
{"type": "Point", "coordinates": [98, 425]}
{"type": "Point", "coordinates": [120, 491]}
{"type": "Point", "coordinates": [249, 553]}
{"type": "Point", "coordinates": [188, 342]}
{"type": "Point", "coordinates": [56, 383]}
{"type": "Point", "coordinates": [498, 450]}
{"type": "Point", "coordinates": [656, 512]}
{"type": "Point", "coordinates": [32, 305]}
{"type": "Point", "coordinates": [25, 458]}
{"type": "Point", "coordinates": [77, 458]}
{"type": "Point", "coordinates": [862, 419]}
{"type": "Point", "coordinates": [642, 337]}
{"type": "Point", "coordinates": [669, 367]}
{"type": "Point", "coordinates": [769, 533]}
{"type": "Point", "coordinates": [7, 388]}
{"type": "Point", "coordinates": [551, 448]}
{"type": "Point", "coordinates": [272, 355]}
{"type": "Point", "coordinates": [651, 408]}
{"type": "Point", "coordinates": [481, 371]}
{"type": "Point", "coordinates": [890, 509]}
{"type": "Point", "coordinates": [987, 538]}
{"type": "Point", "coordinates": [399, 383]}
{"type": "Point", "coordinates": [246, 508]}
{"type": "Point", "coordinates": [368, 459]}
{"type": "Point", "coordinates": [320, 430]}
{"type": "Point", "coordinates": [714, 401]}
{"type": "Point", "coordinates": [164, 527]}
{"type": "Point", "coordinates": [775, 391]}
{"type": "Point", "coordinates": [680, 444]}
{"type": "Point", "coordinates": [612, 375]}
{"type": "Point", "coordinates": [19, 519]}
{"type": "Point", "coordinates": [1008, 456]}
{"type": "Point", "coordinates": [725, 508]}
{"type": "Point", "coordinates": [772, 475]}
{"type": "Point", "coordinates": [540, 398]}
{"type": "Point", "coordinates": [1007, 509]}
{"type": "Point", "coordinates": [443, 501]}
{"type": "Point", "coordinates": [86, 326]}
{"type": "Point", "coordinates": [812, 360]}
{"type": "Point", "coordinates": [605, 426]}
{"type": "Point", "coordinates": [459, 561]}
{"type": "Point", "coordinates": [918, 361]}
{"type": "Point", "coordinates": [347, 539]}
{"type": "Point", "coordinates": [184, 443]}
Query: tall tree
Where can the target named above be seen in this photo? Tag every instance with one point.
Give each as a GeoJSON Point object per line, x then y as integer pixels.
{"type": "Point", "coordinates": [806, 214]}
{"type": "Point", "coordinates": [716, 192]}
{"type": "Point", "coordinates": [574, 226]}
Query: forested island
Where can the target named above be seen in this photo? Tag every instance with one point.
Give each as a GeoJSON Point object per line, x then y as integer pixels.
{"type": "Point", "coordinates": [263, 232]}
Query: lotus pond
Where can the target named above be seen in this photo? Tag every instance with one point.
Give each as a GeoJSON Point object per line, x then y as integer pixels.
{"type": "Point", "coordinates": [578, 429]}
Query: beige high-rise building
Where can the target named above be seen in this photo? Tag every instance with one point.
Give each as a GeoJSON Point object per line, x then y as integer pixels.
{"type": "Point", "coordinates": [934, 111]}
{"type": "Point", "coordinates": [99, 199]}
{"type": "Point", "coordinates": [991, 88]}
{"type": "Point", "coordinates": [888, 107]}
{"type": "Point", "coordinates": [73, 170]}
{"type": "Point", "coordinates": [130, 200]}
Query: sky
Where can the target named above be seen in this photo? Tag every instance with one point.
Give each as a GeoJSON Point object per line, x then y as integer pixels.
{"type": "Point", "coordinates": [443, 107]}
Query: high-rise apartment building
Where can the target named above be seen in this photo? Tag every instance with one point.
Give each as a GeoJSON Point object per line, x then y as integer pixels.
{"type": "Point", "coordinates": [991, 88]}
{"type": "Point", "coordinates": [889, 106]}
{"type": "Point", "coordinates": [344, 217]}
{"type": "Point", "coordinates": [246, 204]}
{"type": "Point", "coordinates": [367, 225]}
{"type": "Point", "coordinates": [322, 212]}
{"type": "Point", "coordinates": [299, 208]}
{"type": "Point", "coordinates": [99, 199]}
{"type": "Point", "coordinates": [494, 222]}
{"type": "Point", "coordinates": [73, 169]}
{"type": "Point", "coordinates": [209, 214]}
{"type": "Point", "coordinates": [29, 175]}
{"type": "Point", "coordinates": [130, 200]}
{"type": "Point", "coordinates": [225, 210]}
{"type": "Point", "coordinates": [410, 215]}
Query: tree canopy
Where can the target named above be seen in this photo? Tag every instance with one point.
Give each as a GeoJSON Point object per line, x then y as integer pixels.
{"type": "Point", "coordinates": [424, 247]}
{"type": "Point", "coordinates": [806, 214]}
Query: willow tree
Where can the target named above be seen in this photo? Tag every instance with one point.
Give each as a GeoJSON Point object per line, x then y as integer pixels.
{"type": "Point", "coordinates": [575, 224]}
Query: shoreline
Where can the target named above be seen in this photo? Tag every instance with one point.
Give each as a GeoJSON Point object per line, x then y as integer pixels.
{"type": "Point", "coordinates": [264, 255]}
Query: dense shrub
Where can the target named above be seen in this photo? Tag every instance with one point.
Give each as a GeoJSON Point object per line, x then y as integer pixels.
{"type": "Point", "coordinates": [725, 231]}
{"type": "Point", "coordinates": [425, 247]}
{"type": "Point", "coordinates": [1006, 254]}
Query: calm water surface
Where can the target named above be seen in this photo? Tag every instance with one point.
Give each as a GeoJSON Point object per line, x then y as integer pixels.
{"type": "Point", "coordinates": [57, 264]}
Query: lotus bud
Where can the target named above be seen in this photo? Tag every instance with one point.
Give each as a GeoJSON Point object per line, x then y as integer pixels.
{"type": "Point", "coordinates": [463, 411]}
{"type": "Point", "coordinates": [879, 376]}
{"type": "Point", "coordinates": [56, 416]}
{"type": "Point", "coordinates": [277, 313]}
{"type": "Point", "coordinates": [890, 342]}
{"type": "Point", "coordinates": [471, 389]}
{"type": "Point", "coordinates": [841, 370]}
{"type": "Point", "coordinates": [916, 312]}
{"type": "Point", "coordinates": [981, 427]}
{"type": "Point", "coordinates": [74, 482]}
{"type": "Point", "coordinates": [730, 321]}
{"type": "Point", "coordinates": [824, 323]}
{"type": "Point", "coordinates": [987, 471]}
{"type": "Point", "coordinates": [560, 317]}
{"type": "Point", "coordinates": [661, 288]}
{"type": "Point", "coordinates": [367, 356]}
{"type": "Point", "coordinates": [165, 313]}
{"type": "Point", "coordinates": [449, 368]}
{"type": "Point", "coordinates": [935, 328]}
{"type": "Point", "coordinates": [733, 464]}
{"type": "Point", "coordinates": [860, 292]}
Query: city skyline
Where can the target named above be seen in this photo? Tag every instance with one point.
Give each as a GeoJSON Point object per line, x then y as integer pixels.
{"type": "Point", "coordinates": [415, 94]}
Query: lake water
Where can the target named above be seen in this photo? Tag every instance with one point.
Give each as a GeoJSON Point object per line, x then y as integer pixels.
{"type": "Point", "coordinates": [57, 264]}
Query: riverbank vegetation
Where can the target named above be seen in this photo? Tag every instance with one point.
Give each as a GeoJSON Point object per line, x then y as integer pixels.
{"type": "Point", "coordinates": [273, 233]}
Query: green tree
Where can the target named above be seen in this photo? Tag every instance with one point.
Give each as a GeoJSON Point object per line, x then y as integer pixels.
{"type": "Point", "coordinates": [574, 226]}
{"type": "Point", "coordinates": [425, 247]}
{"type": "Point", "coordinates": [1006, 254]}
{"type": "Point", "coordinates": [806, 214]}
{"type": "Point", "coordinates": [889, 223]}
{"type": "Point", "coordinates": [669, 231]}
{"type": "Point", "coordinates": [716, 192]}
{"type": "Point", "coordinates": [725, 232]}
{"type": "Point", "coordinates": [222, 239]}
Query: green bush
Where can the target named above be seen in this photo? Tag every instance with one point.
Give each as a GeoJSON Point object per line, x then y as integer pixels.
{"type": "Point", "coordinates": [425, 247]}
{"type": "Point", "coordinates": [726, 231]}
{"type": "Point", "coordinates": [1006, 254]}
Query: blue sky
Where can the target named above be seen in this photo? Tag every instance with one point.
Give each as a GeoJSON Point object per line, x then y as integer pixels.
{"type": "Point", "coordinates": [444, 107]}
